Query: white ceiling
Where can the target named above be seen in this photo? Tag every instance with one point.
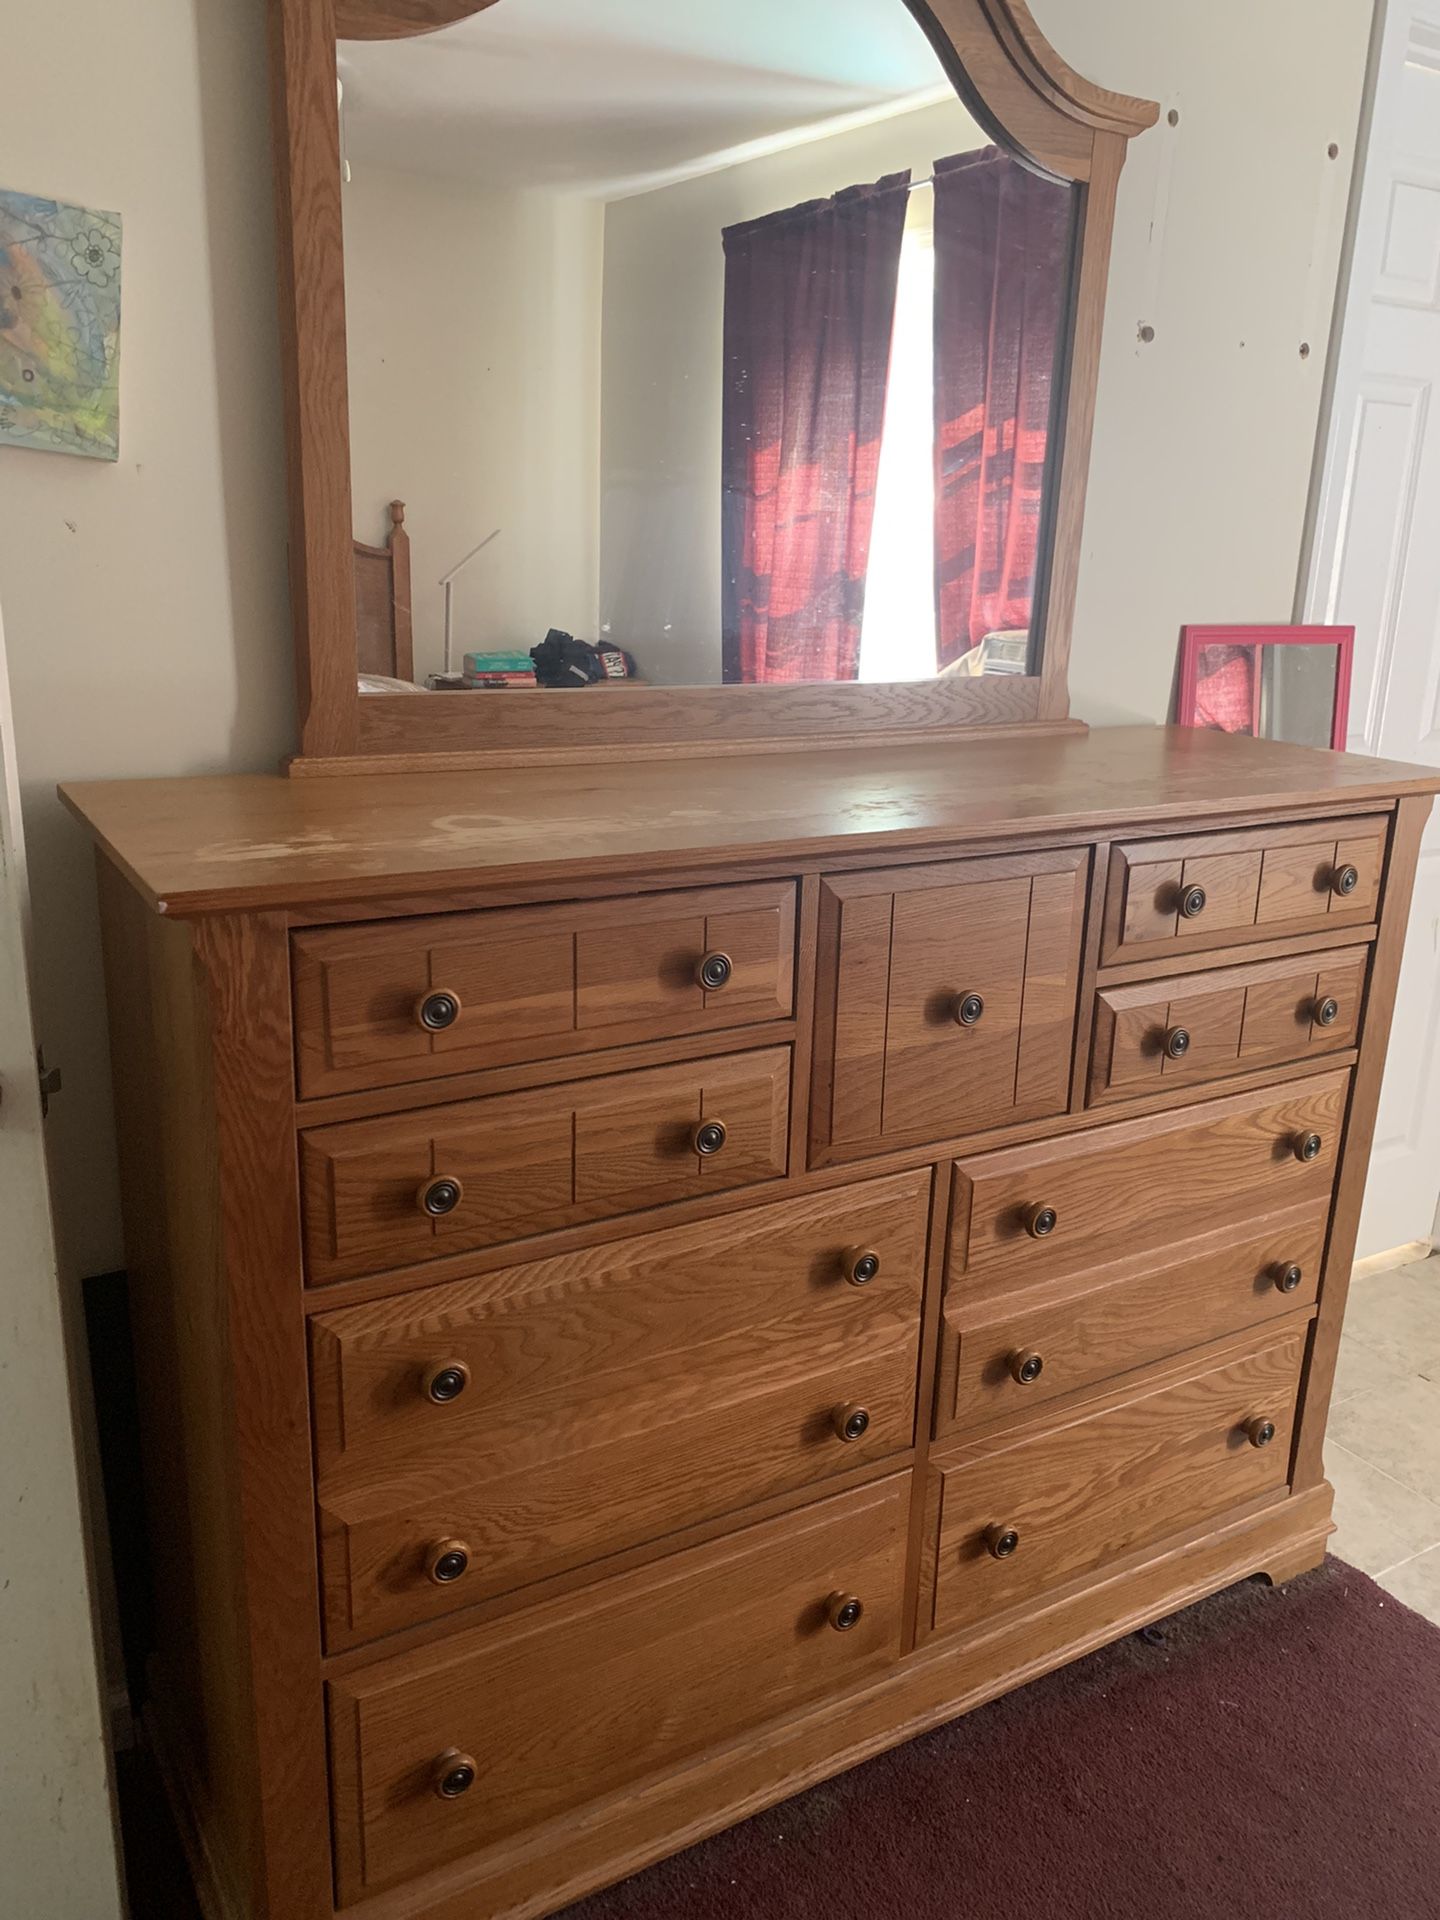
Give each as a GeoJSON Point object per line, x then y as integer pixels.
{"type": "Point", "coordinates": [612, 95]}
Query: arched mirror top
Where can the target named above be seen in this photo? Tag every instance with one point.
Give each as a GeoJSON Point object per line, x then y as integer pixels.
{"type": "Point", "coordinates": [734, 364]}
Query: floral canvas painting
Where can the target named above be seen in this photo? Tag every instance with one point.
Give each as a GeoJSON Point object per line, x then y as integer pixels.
{"type": "Point", "coordinates": [59, 327]}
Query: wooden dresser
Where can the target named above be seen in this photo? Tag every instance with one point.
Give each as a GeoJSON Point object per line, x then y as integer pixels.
{"type": "Point", "coordinates": [653, 1283]}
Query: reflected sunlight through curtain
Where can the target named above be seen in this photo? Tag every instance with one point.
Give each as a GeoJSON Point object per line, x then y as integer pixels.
{"type": "Point", "coordinates": [809, 310]}
{"type": "Point", "coordinates": [1002, 249]}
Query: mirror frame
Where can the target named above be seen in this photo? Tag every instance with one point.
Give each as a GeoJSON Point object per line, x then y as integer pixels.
{"type": "Point", "coordinates": [1016, 85]}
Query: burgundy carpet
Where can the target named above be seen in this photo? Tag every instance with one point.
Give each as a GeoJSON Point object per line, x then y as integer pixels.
{"type": "Point", "coordinates": [1263, 1756]}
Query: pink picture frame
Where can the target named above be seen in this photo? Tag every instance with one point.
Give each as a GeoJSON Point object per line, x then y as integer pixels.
{"type": "Point", "coordinates": [1229, 693]}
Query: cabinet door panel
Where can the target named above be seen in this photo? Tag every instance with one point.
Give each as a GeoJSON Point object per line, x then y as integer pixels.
{"type": "Point", "coordinates": [946, 999]}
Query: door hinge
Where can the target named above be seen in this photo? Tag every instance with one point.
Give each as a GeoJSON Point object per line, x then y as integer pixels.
{"type": "Point", "coordinates": [50, 1082]}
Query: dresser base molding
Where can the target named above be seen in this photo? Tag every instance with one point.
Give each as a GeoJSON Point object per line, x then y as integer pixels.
{"type": "Point", "coordinates": [614, 1838]}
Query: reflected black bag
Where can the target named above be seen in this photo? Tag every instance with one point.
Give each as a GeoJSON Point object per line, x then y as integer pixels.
{"type": "Point", "coordinates": [563, 661]}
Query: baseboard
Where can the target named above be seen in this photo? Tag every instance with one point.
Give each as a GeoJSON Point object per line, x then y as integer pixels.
{"type": "Point", "coordinates": [1395, 1257]}
{"type": "Point", "coordinates": [548, 1868]}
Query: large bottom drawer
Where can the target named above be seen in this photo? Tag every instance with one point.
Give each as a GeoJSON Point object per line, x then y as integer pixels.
{"type": "Point", "coordinates": [443, 1751]}
{"type": "Point", "coordinates": [1053, 1500]}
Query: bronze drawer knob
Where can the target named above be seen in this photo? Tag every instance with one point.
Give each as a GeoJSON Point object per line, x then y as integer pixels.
{"type": "Point", "coordinates": [714, 971]}
{"type": "Point", "coordinates": [438, 1010]}
{"type": "Point", "coordinates": [1192, 902]}
{"type": "Point", "coordinates": [447, 1561]}
{"type": "Point", "coordinates": [970, 1009]}
{"type": "Point", "coordinates": [453, 1774]}
{"type": "Point", "coordinates": [446, 1381]}
{"type": "Point", "coordinates": [1041, 1221]}
{"type": "Point", "coordinates": [844, 1611]}
{"type": "Point", "coordinates": [1344, 881]}
{"type": "Point", "coordinates": [850, 1423]}
{"type": "Point", "coordinates": [1260, 1432]}
{"type": "Point", "coordinates": [1287, 1276]}
{"type": "Point", "coordinates": [439, 1197]}
{"type": "Point", "coordinates": [1002, 1542]}
{"type": "Point", "coordinates": [1177, 1043]}
{"type": "Point", "coordinates": [1308, 1147]}
{"type": "Point", "coordinates": [860, 1265]}
{"type": "Point", "coordinates": [708, 1137]}
{"type": "Point", "coordinates": [1026, 1368]}
{"type": "Point", "coordinates": [1327, 1012]}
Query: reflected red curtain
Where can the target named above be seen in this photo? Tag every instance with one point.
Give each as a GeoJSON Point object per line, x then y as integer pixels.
{"type": "Point", "coordinates": [809, 310]}
{"type": "Point", "coordinates": [1002, 251]}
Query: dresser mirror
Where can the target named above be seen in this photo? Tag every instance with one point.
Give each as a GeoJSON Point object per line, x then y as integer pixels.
{"type": "Point", "coordinates": [731, 365]}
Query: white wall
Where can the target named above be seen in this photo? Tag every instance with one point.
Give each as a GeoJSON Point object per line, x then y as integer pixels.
{"type": "Point", "coordinates": [473, 336]}
{"type": "Point", "coordinates": [146, 604]}
{"type": "Point", "coordinates": [1227, 243]}
{"type": "Point", "coordinates": [662, 361]}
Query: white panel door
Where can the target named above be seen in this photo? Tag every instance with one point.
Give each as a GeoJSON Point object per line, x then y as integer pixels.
{"type": "Point", "coordinates": [1375, 561]}
{"type": "Point", "coordinates": [57, 1842]}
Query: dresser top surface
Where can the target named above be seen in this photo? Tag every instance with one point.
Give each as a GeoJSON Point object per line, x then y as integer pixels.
{"type": "Point", "coordinates": [238, 842]}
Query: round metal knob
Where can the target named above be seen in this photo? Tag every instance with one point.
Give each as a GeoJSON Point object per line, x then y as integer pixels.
{"type": "Point", "coordinates": [844, 1611]}
{"type": "Point", "coordinates": [1260, 1432]}
{"type": "Point", "coordinates": [1177, 1043]}
{"type": "Point", "coordinates": [1287, 1278]}
{"type": "Point", "coordinates": [970, 1009]}
{"type": "Point", "coordinates": [714, 971]}
{"type": "Point", "coordinates": [1327, 1012]}
{"type": "Point", "coordinates": [1002, 1542]}
{"type": "Point", "coordinates": [851, 1423]}
{"type": "Point", "coordinates": [439, 1197]}
{"type": "Point", "coordinates": [1308, 1146]}
{"type": "Point", "coordinates": [1344, 881]}
{"type": "Point", "coordinates": [1041, 1221]}
{"type": "Point", "coordinates": [1026, 1368]}
{"type": "Point", "coordinates": [1192, 902]}
{"type": "Point", "coordinates": [453, 1774]}
{"type": "Point", "coordinates": [709, 1137]}
{"type": "Point", "coordinates": [860, 1265]}
{"type": "Point", "coordinates": [438, 1010]}
{"type": "Point", "coordinates": [447, 1561]}
{"type": "Point", "coordinates": [446, 1381]}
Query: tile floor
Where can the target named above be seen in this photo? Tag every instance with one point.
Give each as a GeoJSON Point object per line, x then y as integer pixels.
{"type": "Point", "coordinates": [1382, 1451]}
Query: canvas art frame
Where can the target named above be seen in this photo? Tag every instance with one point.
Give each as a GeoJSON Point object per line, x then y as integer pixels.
{"type": "Point", "coordinates": [1191, 710]}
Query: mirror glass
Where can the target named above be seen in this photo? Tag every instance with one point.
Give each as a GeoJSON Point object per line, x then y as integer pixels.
{"type": "Point", "coordinates": [702, 344]}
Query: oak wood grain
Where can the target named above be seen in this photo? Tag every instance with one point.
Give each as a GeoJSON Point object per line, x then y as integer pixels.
{"type": "Point", "coordinates": [615, 1395]}
{"type": "Point", "coordinates": [605, 1687]}
{"type": "Point", "coordinates": [532, 983]}
{"type": "Point", "coordinates": [1268, 1013]}
{"type": "Point", "coordinates": [1084, 1329]}
{"type": "Point", "coordinates": [1087, 1487]}
{"type": "Point", "coordinates": [526, 1162]}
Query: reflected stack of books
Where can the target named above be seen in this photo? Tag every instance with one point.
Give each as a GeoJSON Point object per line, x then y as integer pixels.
{"type": "Point", "coordinates": [499, 670]}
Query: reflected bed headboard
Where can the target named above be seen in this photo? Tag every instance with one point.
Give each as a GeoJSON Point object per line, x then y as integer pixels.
{"type": "Point", "coordinates": [384, 642]}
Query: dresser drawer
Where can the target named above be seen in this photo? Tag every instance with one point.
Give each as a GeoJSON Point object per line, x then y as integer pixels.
{"type": "Point", "coordinates": [1202, 1026]}
{"type": "Point", "coordinates": [409, 999]}
{"type": "Point", "coordinates": [946, 998]}
{"type": "Point", "coordinates": [1043, 1212]}
{"type": "Point", "coordinates": [1030, 1508]}
{"type": "Point", "coordinates": [1214, 889]}
{"type": "Point", "coordinates": [589, 1694]}
{"type": "Point", "coordinates": [413, 1186]}
{"type": "Point", "coordinates": [605, 1398]}
{"type": "Point", "coordinates": [1001, 1358]}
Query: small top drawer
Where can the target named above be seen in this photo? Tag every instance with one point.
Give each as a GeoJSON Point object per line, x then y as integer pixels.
{"type": "Point", "coordinates": [1214, 889]}
{"type": "Point", "coordinates": [402, 1000]}
{"type": "Point", "coordinates": [1201, 1026]}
